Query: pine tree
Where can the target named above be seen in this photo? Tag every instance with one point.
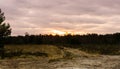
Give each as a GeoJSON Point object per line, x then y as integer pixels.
{"type": "Point", "coordinates": [5, 30]}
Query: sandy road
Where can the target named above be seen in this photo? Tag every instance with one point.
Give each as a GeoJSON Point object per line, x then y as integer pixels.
{"type": "Point", "coordinates": [117, 66]}
{"type": "Point", "coordinates": [101, 62]}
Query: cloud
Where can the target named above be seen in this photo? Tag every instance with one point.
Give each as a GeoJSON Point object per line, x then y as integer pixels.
{"type": "Point", "coordinates": [43, 16]}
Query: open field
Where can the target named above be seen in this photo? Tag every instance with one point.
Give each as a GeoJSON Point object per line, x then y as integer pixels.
{"type": "Point", "coordinates": [53, 57]}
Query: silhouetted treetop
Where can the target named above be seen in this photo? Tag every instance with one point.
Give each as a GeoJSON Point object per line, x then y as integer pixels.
{"type": "Point", "coordinates": [5, 29]}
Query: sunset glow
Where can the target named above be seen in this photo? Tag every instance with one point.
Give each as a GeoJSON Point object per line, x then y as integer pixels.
{"type": "Point", "coordinates": [58, 32]}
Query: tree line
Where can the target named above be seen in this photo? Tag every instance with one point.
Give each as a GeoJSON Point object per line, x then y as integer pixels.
{"type": "Point", "coordinates": [64, 40]}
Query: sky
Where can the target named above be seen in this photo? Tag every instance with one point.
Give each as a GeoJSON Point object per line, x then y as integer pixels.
{"type": "Point", "coordinates": [62, 16]}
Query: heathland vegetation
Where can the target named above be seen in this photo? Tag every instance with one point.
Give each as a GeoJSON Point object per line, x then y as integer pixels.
{"type": "Point", "coordinates": [93, 43]}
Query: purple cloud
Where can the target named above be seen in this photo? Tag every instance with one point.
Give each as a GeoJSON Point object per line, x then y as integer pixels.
{"type": "Point", "coordinates": [43, 16]}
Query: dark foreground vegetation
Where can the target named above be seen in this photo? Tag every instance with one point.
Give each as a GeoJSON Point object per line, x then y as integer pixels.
{"type": "Point", "coordinates": [92, 43]}
{"type": "Point", "coordinates": [5, 30]}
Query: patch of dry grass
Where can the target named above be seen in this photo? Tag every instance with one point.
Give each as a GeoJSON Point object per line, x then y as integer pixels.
{"type": "Point", "coordinates": [50, 51]}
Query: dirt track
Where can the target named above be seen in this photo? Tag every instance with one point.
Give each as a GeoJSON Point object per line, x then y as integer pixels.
{"type": "Point", "coordinates": [101, 62]}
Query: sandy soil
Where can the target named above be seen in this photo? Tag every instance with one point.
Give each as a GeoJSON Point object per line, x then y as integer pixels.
{"type": "Point", "coordinates": [99, 62]}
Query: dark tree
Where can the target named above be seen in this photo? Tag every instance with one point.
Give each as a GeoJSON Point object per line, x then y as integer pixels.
{"type": "Point", "coordinates": [5, 30]}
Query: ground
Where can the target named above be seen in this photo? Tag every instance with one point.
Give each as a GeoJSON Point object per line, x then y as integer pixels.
{"type": "Point", "coordinates": [101, 62]}
{"type": "Point", "coordinates": [67, 58]}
